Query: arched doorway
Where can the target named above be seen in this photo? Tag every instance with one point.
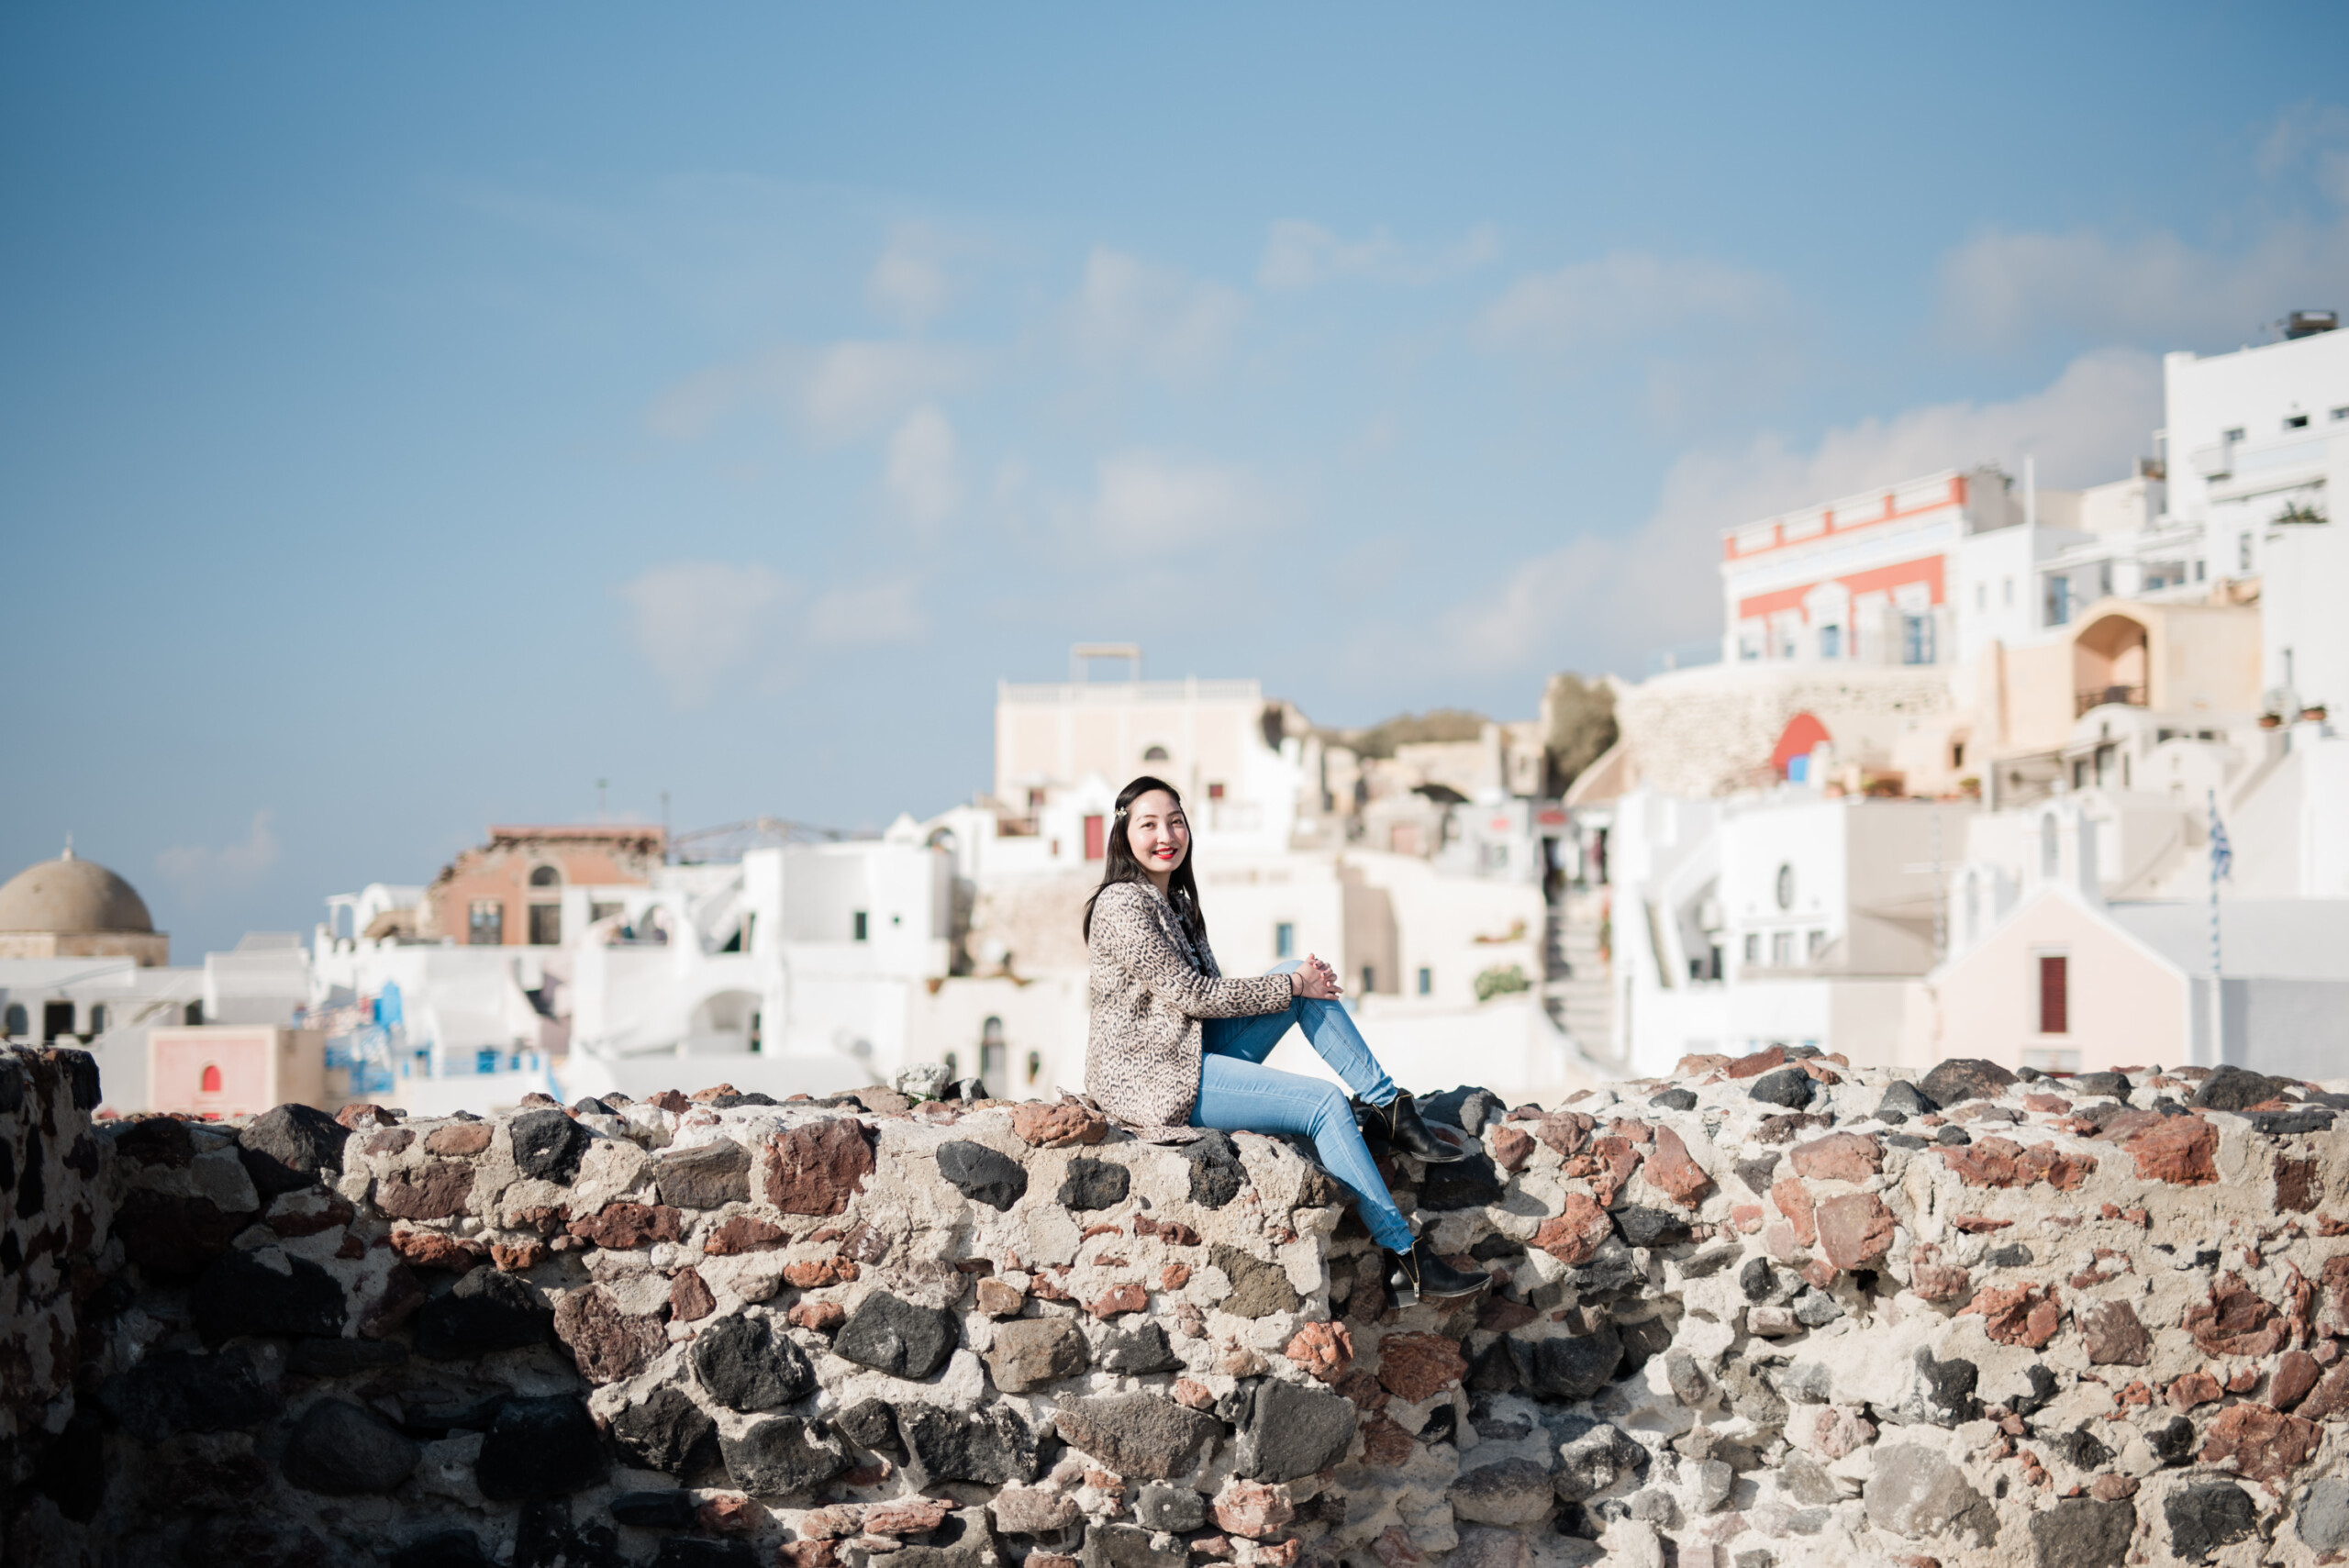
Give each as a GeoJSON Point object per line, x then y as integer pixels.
{"type": "Point", "coordinates": [722, 1024]}
{"type": "Point", "coordinates": [2109, 663]}
{"type": "Point", "coordinates": [1790, 758]}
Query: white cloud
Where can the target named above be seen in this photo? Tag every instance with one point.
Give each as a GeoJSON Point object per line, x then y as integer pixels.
{"type": "Point", "coordinates": [877, 613]}
{"type": "Point", "coordinates": [1298, 254]}
{"type": "Point", "coordinates": [1625, 294]}
{"type": "Point", "coordinates": [924, 473]}
{"type": "Point", "coordinates": [1147, 500]}
{"type": "Point", "coordinates": [694, 620]}
{"type": "Point", "coordinates": [1615, 599]}
{"type": "Point", "coordinates": [1131, 314]}
{"type": "Point", "coordinates": [199, 867]}
{"type": "Point", "coordinates": [836, 392]}
{"type": "Point", "coordinates": [909, 282]}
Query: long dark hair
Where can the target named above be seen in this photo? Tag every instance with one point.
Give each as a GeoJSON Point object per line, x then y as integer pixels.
{"type": "Point", "coordinates": [1119, 865]}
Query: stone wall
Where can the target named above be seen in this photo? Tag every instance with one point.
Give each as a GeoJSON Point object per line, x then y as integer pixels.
{"type": "Point", "coordinates": [1775, 1311]}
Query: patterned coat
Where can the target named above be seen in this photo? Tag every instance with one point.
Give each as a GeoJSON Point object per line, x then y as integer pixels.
{"type": "Point", "coordinates": [1150, 985]}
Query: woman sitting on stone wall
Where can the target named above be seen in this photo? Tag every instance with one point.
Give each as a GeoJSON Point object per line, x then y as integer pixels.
{"type": "Point", "coordinates": [1173, 1045]}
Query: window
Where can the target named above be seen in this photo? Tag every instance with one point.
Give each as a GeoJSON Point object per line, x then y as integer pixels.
{"type": "Point", "coordinates": [97, 1017]}
{"type": "Point", "coordinates": [1035, 1066]}
{"type": "Point", "coordinates": [857, 923]}
{"type": "Point", "coordinates": [992, 1051]}
{"type": "Point", "coordinates": [1813, 944]}
{"type": "Point", "coordinates": [1831, 642]}
{"type": "Point", "coordinates": [1957, 753]}
{"type": "Point", "coordinates": [17, 1023]}
{"type": "Point", "coordinates": [1096, 839]}
{"type": "Point", "coordinates": [1786, 887]}
{"type": "Point", "coordinates": [2296, 422]}
{"type": "Point", "coordinates": [2242, 552]}
{"type": "Point", "coordinates": [2342, 413]}
{"type": "Point", "coordinates": [1981, 595]}
{"type": "Point", "coordinates": [208, 1081]}
{"type": "Point", "coordinates": [546, 876]}
{"type": "Point", "coordinates": [1215, 791]}
{"type": "Point", "coordinates": [486, 924]}
{"type": "Point", "coordinates": [599, 910]}
{"type": "Point", "coordinates": [2054, 994]}
{"type": "Point", "coordinates": [1369, 980]}
{"type": "Point", "coordinates": [1155, 754]}
{"type": "Point", "coordinates": [2051, 848]}
{"type": "Point", "coordinates": [486, 1059]}
{"type": "Point", "coordinates": [954, 1066]}
{"type": "Point", "coordinates": [1973, 907]}
{"type": "Point", "coordinates": [2007, 593]}
{"type": "Point", "coordinates": [1754, 947]}
{"type": "Point", "coordinates": [1782, 950]}
{"type": "Point", "coordinates": [758, 1033]}
{"type": "Point", "coordinates": [1035, 801]}
{"type": "Point", "coordinates": [1285, 940]}
{"type": "Point", "coordinates": [2233, 435]}
{"type": "Point", "coordinates": [1916, 639]}
{"type": "Point", "coordinates": [193, 1014]}
{"type": "Point", "coordinates": [1426, 981]}
{"type": "Point", "coordinates": [56, 1020]}
{"type": "Point", "coordinates": [2059, 599]}
{"type": "Point", "coordinates": [546, 925]}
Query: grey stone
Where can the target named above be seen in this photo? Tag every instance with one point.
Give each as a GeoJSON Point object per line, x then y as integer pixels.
{"type": "Point", "coordinates": [1293, 1431]}
{"type": "Point", "coordinates": [665, 1431]}
{"type": "Point", "coordinates": [1510, 1492]}
{"type": "Point", "coordinates": [1138, 1350]}
{"type": "Point", "coordinates": [1161, 1507]}
{"type": "Point", "coordinates": [1612, 1270]}
{"type": "Point", "coordinates": [2172, 1442]}
{"type": "Point", "coordinates": [1031, 1351]}
{"type": "Point", "coordinates": [1757, 1171]}
{"type": "Point", "coordinates": [2233, 1088]}
{"type": "Point", "coordinates": [1094, 1184]}
{"type": "Point", "coordinates": [342, 1449]}
{"type": "Point", "coordinates": [488, 1309]}
{"type": "Point", "coordinates": [964, 1539]}
{"type": "Point", "coordinates": [284, 1150]}
{"type": "Point", "coordinates": [1470, 1109]}
{"type": "Point", "coordinates": [173, 1391]}
{"type": "Point", "coordinates": [869, 1423]}
{"type": "Point", "coordinates": [1596, 1462]}
{"type": "Point", "coordinates": [1674, 1100]}
{"type": "Point", "coordinates": [240, 1293]}
{"type": "Point", "coordinates": [992, 1446]}
{"type": "Point", "coordinates": [2206, 1516]}
{"type": "Point", "coordinates": [1656, 1506]}
{"type": "Point", "coordinates": [1128, 1546]}
{"type": "Point", "coordinates": [778, 1455]}
{"type": "Point", "coordinates": [709, 1176]}
{"type": "Point", "coordinates": [1962, 1078]}
{"type": "Point", "coordinates": [1756, 1280]}
{"type": "Point", "coordinates": [2082, 1450]}
{"type": "Point", "coordinates": [1804, 1480]}
{"type": "Point", "coordinates": [1904, 1099]}
{"type": "Point", "coordinates": [1789, 1086]}
{"type": "Point", "coordinates": [1644, 1226]}
{"type": "Point", "coordinates": [983, 1174]}
{"type": "Point", "coordinates": [892, 1335]}
{"type": "Point", "coordinates": [1217, 1174]}
{"type": "Point", "coordinates": [1915, 1492]}
{"type": "Point", "coordinates": [1570, 1368]}
{"type": "Point", "coordinates": [2014, 1255]}
{"type": "Point", "coordinates": [2081, 1533]}
{"type": "Point", "coordinates": [547, 1145]}
{"type": "Point", "coordinates": [1473, 1183]}
{"type": "Point", "coordinates": [2323, 1520]}
{"type": "Point", "coordinates": [1816, 1310]}
{"type": "Point", "coordinates": [1750, 1393]}
{"type": "Point", "coordinates": [1144, 1435]}
{"type": "Point", "coordinates": [1811, 1383]}
{"type": "Point", "coordinates": [540, 1448]}
{"type": "Point", "coordinates": [1944, 1390]}
{"type": "Point", "coordinates": [2113, 1085]}
{"type": "Point", "coordinates": [745, 1364]}
{"type": "Point", "coordinates": [1713, 1480]}
{"type": "Point", "coordinates": [1689, 1383]}
{"type": "Point", "coordinates": [1953, 1136]}
{"type": "Point", "coordinates": [1259, 1287]}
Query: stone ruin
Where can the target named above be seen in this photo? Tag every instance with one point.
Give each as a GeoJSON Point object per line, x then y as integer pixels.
{"type": "Point", "coordinates": [1772, 1310]}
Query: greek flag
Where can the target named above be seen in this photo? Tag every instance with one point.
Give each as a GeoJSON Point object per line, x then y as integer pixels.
{"type": "Point", "coordinates": [2222, 857]}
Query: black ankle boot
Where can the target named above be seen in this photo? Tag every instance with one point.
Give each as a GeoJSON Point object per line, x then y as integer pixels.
{"type": "Point", "coordinates": [1419, 1276]}
{"type": "Point", "coordinates": [1398, 1122]}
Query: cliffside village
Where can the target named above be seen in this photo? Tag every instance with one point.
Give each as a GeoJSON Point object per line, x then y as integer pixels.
{"type": "Point", "coordinates": [1980, 768]}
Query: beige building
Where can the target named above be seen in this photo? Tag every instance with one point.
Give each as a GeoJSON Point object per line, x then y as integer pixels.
{"type": "Point", "coordinates": [70, 907]}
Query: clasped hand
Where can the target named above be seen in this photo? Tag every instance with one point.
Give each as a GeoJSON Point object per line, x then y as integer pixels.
{"type": "Point", "coordinates": [1316, 980]}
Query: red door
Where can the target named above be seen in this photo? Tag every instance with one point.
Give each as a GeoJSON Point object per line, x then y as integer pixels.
{"type": "Point", "coordinates": [1095, 845]}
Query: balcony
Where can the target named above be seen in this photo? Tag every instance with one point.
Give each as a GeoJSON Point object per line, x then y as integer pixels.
{"type": "Point", "coordinates": [2107, 697]}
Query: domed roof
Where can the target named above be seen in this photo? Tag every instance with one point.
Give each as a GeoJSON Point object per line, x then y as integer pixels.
{"type": "Point", "coordinates": [70, 894]}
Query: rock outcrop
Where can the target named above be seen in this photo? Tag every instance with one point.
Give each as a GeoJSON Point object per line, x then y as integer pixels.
{"type": "Point", "coordinates": [1772, 1311]}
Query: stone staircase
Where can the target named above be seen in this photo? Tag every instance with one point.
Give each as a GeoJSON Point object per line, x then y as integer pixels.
{"type": "Point", "coordinates": [1579, 991]}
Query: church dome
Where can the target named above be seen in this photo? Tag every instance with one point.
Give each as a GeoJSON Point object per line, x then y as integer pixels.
{"type": "Point", "coordinates": [67, 895]}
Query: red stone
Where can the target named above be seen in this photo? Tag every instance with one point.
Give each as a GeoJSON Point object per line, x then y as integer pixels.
{"type": "Point", "coordinates": [2002, 1163]}
{"type": "Point", "coordinates": [907, 1516]}
{"type": "Point", "coordinates": [1192, 1396]}
{"type": "Point", "coordinates": [1173, 1276]}
{"type": "Point", "coordinates": [2330, 1399]}
{"type": "Point", "coordinates": [1567, 1132]}
{"type": "Point", "coordinates": [670, 1100]}
{"type": "Point", "coordinates": [1122, 1299]}
{"type": "Point", "coordinates": [1574, 1234]}
{"type": "Point", "coordinates": [1173, 1232]}
{"type": "Point", "coordinates": [2182, 1150]}
{"type": "Point", "coordinates": [2194, 1388]}
{"type": "Point", "coordinates": [2018, 1314]}
{"type": "Point", "coordinates": [1064, 1125]}
{"type": "Point", "coordinates": [1499, 1315]}
{"type": "Point", "coordinates": [2296, 1374]}
{"type": "Point", "coordinates": [362, 1113]}
{"type": "Point", "coordinates": [689, 1297]}
{"type": "Point", "coordinates": [730, 1513]}
{"type": "Point", "coordinates": [745, 1233]}
{"type": "Point", "coordinates": [1385, 1445]}
{"type": "Point", "coordinates": [1419, 1366]}
{"type": "Point", "coordinates": [1754, 1066]}
{"type": "Point", "coordinates": [2114, 1336]}
{"type": "Point", "coordinates": [391, 1141]}
{"type": "Point", "coordinates": [518, 1257]}
{"type": "Point", "coordinates": [2266, 1444]}
{"type": "Point", "coordinates": [608, 1344]}
{"type": "Point", "coordinates": [458, 1137]}
{"type": "Point", "coordinates": [2234, 1321]}
{"type": "Point", "coordinates": [1251, 1508]}
{"type": "Point", "coordinates": [1325, 1349]}
{"type": "Point", "coordinates": [1940, 1282]}
{"type": "Point", "coordinates": [1393, 1548]}
{"type": "Point", "coordinates": [816, 1169]}
{"type": "Point", "coordinates": [822, 1272]}
{"type": "Point", "coordinates": [620, 1227]}
{"type": "Point", "coordinates": [2296, 1185]}
{"type": "Point", "coordinates": [1794, 1201]}
{"type": "Point", "coordinates": [431, 1249]}
{"type": "Point", "coordinates": [1607, 1167]}
{"type": "Point", "coordinates": [1669, 1169]}
{"type": "Point", "coordinates": [1838, 1157]}
{"type": "Point", "coordinates": [1511, 1148]}
{"type": "Point", "coordinates": [438, 1191]}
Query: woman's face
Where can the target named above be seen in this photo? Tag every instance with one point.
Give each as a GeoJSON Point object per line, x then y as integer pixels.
{"type": "Point", "coordinates": [1158, 832]}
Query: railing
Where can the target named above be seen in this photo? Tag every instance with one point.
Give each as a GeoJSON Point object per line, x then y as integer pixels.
{"type": "Point", "coordinates": [1112, 692]}
{"type": "Point", "coordinates": [2102, 696]}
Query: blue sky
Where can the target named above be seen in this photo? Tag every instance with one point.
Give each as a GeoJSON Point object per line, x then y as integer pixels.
{"type": "Point", "coordinates": [411, 416]}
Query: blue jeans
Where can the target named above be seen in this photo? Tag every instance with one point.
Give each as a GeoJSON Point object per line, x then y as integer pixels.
{"type": "Point", "coordinates": [1238, 1093]}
